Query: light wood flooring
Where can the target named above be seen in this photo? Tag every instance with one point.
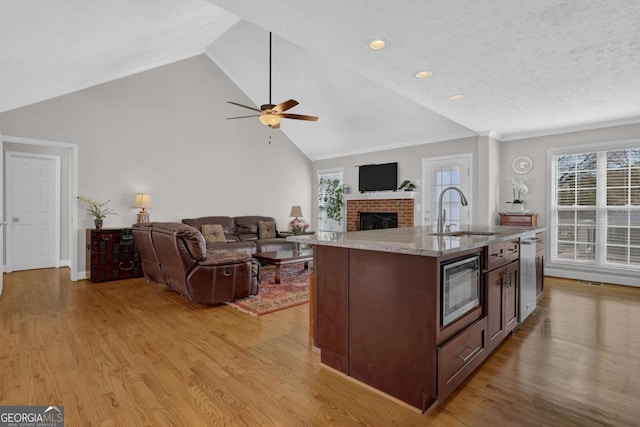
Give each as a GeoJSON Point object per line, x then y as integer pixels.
{"type": "Point", "coordinates": [131, 353]}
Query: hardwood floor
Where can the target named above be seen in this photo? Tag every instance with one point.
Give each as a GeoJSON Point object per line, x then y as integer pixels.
{"type": "Point", "coordinates": [132, 353]}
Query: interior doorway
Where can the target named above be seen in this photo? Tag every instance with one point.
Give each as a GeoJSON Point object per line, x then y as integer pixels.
{"type": "Point", "coordinates": [33, 210]}
{"type": "Point", "coordinates": [69, 233]}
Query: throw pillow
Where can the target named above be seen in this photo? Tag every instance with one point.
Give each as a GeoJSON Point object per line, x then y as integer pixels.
{"type": "Point", "coordinates": [266, 229]}
{"type": "Point", "coordinates": [213, 233]}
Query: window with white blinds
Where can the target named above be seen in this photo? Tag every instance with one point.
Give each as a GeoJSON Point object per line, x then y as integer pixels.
{"type": "Point", "coordinates": [595, 208]}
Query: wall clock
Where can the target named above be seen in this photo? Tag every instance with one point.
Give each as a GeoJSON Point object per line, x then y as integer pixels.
{"type": "Point", "coordinates": [522, 165]}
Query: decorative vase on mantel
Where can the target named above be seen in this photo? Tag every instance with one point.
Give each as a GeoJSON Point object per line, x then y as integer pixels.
{"type": "Point", "coordinates": [98, 223]}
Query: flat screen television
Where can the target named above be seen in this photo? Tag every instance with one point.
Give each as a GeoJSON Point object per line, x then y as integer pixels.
{"type": "Point", "coordinates": [378, 177]}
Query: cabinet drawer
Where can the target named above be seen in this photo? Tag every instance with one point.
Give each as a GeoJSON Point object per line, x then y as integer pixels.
{"type": "Point", "coordinates": [512, 250]}
{"type": "Point", "coordinates": [460, 356]}
{"type": "Point", "coordinates": [496, 256]}
{"type": "Point", "coordinates": [518, 219]}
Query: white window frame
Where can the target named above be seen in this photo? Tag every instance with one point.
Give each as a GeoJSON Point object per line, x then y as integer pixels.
{"type": "Point", "coordinates": [319, 174]}
{"type": "Point", "coordinates": [586, 270]}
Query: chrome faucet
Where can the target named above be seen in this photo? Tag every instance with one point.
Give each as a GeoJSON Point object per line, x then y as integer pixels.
{"type": "Point", "coordinates": [442, 213]}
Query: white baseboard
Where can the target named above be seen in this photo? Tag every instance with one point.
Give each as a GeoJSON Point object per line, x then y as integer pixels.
{"type": "Point", "coordinates": [618, 278]}
{"type": "Point", "coordinates": [65, 263]}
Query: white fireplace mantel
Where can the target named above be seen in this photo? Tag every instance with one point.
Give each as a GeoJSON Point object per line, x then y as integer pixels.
{"type": "Point", "coordinates": [381, 195]}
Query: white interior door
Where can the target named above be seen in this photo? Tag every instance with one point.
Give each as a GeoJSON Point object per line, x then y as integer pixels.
{"type": "Point", "coordinates": [439, 173]}
{"type": "Point", "coordinates": [33, 211]}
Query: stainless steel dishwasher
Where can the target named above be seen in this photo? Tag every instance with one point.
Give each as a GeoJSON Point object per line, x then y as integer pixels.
{"type": "Point", "coordinates": [527, 295]}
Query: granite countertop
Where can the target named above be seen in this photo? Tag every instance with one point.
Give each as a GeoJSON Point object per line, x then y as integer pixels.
{"type": "Point", "coordinates": [416, 240]}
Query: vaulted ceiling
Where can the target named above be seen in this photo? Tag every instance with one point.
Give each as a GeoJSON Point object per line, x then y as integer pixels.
{"type": "Point", "coordinates": [525, 68]}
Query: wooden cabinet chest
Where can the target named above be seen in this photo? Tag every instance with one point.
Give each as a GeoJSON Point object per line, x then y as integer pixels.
{"type": "Point", "coordinates": [519, 219]}
{"type": "Point", "coordinates": [112, 255]}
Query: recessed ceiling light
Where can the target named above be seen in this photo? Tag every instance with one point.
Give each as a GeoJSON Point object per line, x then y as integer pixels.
{"type": "Point", "coordinates": [456, 97]}
{"type": "Point", "coordinates": [377, 44]}
{"type": "Point", "coordinates": [424, 74]}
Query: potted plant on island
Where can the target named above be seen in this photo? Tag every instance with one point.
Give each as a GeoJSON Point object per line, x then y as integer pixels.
{"type": "Point", "coordinates": [98, 210]}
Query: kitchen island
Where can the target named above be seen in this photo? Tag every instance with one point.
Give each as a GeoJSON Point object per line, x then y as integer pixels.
{"type": "Point", "coordinates": [381, 315]}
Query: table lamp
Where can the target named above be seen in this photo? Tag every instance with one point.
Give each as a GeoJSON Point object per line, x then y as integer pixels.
{"type": "Point", "coordinates": [296, 212]}
{"type": "Point", "coordinates": [143, 200]}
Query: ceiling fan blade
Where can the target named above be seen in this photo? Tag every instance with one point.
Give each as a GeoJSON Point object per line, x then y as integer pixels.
{"type": "Point", "coordinates": [284, 106]}
{"type": "Point", "coordinates": [243, 117]}
{"type": "Point", "coordinates": [298, 117]}
{"type": "Point", "coordinates": [245, 106]}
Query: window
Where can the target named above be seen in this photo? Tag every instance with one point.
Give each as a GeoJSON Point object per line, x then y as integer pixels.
{"type": "Point", "coordinates": [595, 208]}
{"type": "Point", "coordinates": [330, 204]}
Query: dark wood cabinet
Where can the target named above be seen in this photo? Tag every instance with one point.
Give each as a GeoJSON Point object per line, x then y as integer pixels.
{"type": "Point", "coordinates": [510, 288]}
{"type": "Point", "coordinates": [112, 255]}
{"type": "Point", "coordinates": [331, 286]}
{"type": "Point", "coordinates": [540, 266]}
{"type": "Point", "coordinates": [460, 356]}
{"type": "Point", "coordinates": [501, 279]}
{"type": "Point", "coordinates": [519, 219]}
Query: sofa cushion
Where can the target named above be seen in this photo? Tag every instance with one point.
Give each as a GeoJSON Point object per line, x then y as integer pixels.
{"type": "Point", "coordinates": [213, 233]}
{"type": "Point", "coordinates": [228, 224]}
{"type": "Point", "coordinates": [249, 224]}
{"type": "Point", "coordinates": [266, 229]}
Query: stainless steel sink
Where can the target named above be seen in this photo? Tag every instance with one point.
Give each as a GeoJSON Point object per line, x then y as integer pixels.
{"type": "Point", "coordinates": [465, 233]}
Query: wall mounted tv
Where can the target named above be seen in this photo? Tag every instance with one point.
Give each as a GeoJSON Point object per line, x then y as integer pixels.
{"type": "Point", "coordinates": [378, 177]}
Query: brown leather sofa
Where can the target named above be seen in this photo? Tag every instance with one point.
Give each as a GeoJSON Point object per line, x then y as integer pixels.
{"type": "Point", "coordinates": [242, 234]}
{"type": "Point", "coordinates": [175, 254]}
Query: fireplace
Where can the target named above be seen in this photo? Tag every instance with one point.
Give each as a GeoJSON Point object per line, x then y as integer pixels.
{"type": "Point", "coordinates": [400, 203]}
{"type": "Point", "coordinates": [378, 220]}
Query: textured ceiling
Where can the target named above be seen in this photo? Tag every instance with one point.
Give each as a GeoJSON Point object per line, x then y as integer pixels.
{"type": "Point", "coordinates": [525, 67]}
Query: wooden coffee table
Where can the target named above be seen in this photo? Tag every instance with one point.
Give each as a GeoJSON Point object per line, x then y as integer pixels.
{"type": "Point", "coordinates": [280, 258]}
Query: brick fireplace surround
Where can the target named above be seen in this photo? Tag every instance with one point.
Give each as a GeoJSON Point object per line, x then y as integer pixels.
{"type": "Point", "coordinates": [402, 205]}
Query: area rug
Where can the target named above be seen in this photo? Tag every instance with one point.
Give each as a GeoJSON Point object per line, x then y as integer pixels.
{"type": "Point", "coordinates": [292, 291]}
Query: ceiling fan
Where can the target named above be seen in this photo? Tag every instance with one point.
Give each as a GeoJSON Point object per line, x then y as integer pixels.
{"type": "Point", "coordinates": [271, 114]}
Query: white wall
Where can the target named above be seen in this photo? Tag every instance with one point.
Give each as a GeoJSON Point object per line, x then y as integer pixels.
{"type": "Point", "coordinates": [409, 163]}
{"type": "Point", "coordinates": [536, 149]}
{"type": "Point", "coordinates": [165, 132]}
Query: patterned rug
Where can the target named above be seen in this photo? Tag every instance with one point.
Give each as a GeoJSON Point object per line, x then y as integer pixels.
{"type": "Point", "coordinates": [292, 291]}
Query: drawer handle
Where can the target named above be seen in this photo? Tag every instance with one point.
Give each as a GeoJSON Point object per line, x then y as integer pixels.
{"type": "Point", "coordinates": [227, 272]}
{"type": "Point", "coordinates": [512, 250]}
{"type": "Point", "coordinates": [470, 355]}
{"type": "Point", "coordinates": [128, 268]}
{"type": "Point", "coordinates": [106, 236]}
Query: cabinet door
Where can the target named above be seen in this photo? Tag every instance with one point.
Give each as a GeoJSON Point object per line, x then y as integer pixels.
{"type": "Point", "coordinates": [495, 330]}
{"type": "Point", "coordinates": [331, 271]}
{"type": "Point", "coordinates": [510, 296]}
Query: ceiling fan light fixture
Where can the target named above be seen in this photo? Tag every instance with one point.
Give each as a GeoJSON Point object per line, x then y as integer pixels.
{"type": "Point", "coordinates": [269, 119]}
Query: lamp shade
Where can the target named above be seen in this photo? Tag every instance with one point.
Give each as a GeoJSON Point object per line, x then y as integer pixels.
{"type": "Point", "coordinates": [295, 211]}
{"type": "Point", "coordinates": [143, 200]}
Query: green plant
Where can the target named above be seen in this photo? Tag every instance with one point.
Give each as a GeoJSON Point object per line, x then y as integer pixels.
{"type": "Point", "coordinates": [98, 210]}
{"type": "Point", "coordinates": [407, 186]}
{"type": "Point", "coordinates": [331, 193]}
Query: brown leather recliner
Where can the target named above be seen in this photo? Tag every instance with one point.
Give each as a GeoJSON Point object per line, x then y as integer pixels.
{"type": "Point", "coordinates": [175, 254]}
